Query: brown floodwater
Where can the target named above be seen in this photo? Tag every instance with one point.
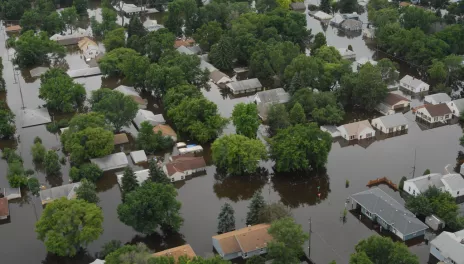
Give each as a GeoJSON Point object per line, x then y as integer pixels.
{"type": "Point", "coordinates": [203, 196]}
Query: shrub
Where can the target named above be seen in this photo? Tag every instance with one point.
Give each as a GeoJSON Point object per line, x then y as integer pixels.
{"type": "Point", "coordinates": [38, 151]}
{"type": "Point", "coordinates": [33, 185]}
{"type": "Point", "coordinates": [87, 171]}
{"type": "Point", "coordinates": [37, 140]}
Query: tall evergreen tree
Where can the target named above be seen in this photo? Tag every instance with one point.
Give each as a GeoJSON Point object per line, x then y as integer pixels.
{"type": "Point", "coordinates": [256, 205]}
{"type": "Point", "coordinates": [129, 181]}
{"type": "Point", "coordinates": [226, 219]}
{"type": "Point", "coordinates": [157, 174]}
{"type": "Point", "coordinates": [135, 27]}
{"type": "Point", "coordinates": [325, 6]}
{"type": "Point", "coordinates": [222, 54]}
{"type": "Point", "coordinates": [297, 115]}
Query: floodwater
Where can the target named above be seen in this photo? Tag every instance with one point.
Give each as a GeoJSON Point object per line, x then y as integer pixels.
{"type": "Point", "coordinates": [202, 197]}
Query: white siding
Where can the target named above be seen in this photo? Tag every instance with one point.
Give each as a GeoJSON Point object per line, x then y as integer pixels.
{"type": "Point", "coordinates": [366, 133]}
{"type": "Point", "coordinates": [436, 253]}
{"type": "Point", "coordinates": [411, 188]}
{"type": "Point", "coordinates": [424, 114]}
{"type": "Point", "coordinates": [453, 108]}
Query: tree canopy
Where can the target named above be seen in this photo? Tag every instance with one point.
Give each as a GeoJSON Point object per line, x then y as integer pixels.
{"type": "Point", "coordinates": [226, 219]}
{"type": "Point", "coordinates": [254, 208]}
{"type": "Point", "coordinates": [114, 39]}
{"type": "Point", "coordinates": [245, 119]}
{"type": "Point", "coordinates": [34, 49]}
{"type": "Point", "coordinates": [287, 244]}
{"type": "Point", "coordinates": [382, 250]}
{"type": "Point", "coordinates": [150, 141]}
{"type": "Point", "coordinates": [7, 124]}
{"type": "Point", "coordinates": [88, 143]}
{"type": "Point", "coordinates": [87, 192]}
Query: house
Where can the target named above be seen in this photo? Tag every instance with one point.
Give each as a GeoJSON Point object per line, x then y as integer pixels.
{"type": "Point", "coordinates": [319, 15]}
{"type": "Point", "coordinates": [177, 252]}
{"type": "Point", "coordinates": [379, 207]}
{"type": "Point", "coordinates": [437, 98]}
{"type": "Point", "coordinates": [204, 65]}
{"type": "Point", "coordinates": [246, 242]}
{"type": "Point", "coordinates": [138, 156]}
{"type": "Point", "coordinates": [358, 130]}
{"type": "Point", "coordinates": [89, 48]}
{"type": "Point", "coordinates": [353, 15]}
{"type": "Point", "coordinates": [145, 115]}
{"type": "Point", "coordinates": [131, 9]}
{"type": "Point", "coordinates": [166, 131]}
{"type": "Point", "coordinates": [448, 247]}
{"type": "Point", "coordinates": [4, 208]}
{"type": "Point", "coordinates": [347, 54]}
{"type": "Point", "coordinates": [219, 78]}
{"type": "Point", "coordinates": [111, 162]}
{"type": "Point", "coordinates": [130, 91]}
{"type": "Point", "coordinates": [182, 167]}
{"type": "Point", "coordinates": [184, 42]}
{"type": "Point", "coordinates": [298, 6]}
{"type": "Point", "coordinates": [351, 25]}
{"type": "Point", "coordinates": [85, 72]}
{"type": "Point", "coordinates": [120, 139]}
{"type": "Point", "coordinates": [13, 29]}
{"type": "Point", "coordinates": [452, 183]}
{"type": "Point", "coordinates": [413, 85]}
{"type": "Point", "coordinates": [152, 25]}
{"type": "Point", "coordinates": [35, 117]}
{"type": "Point", "coordinates": [361, 62]}
{"type": "Point", "coordinates": [69, 38]}
{"type": "Point", "coordinates": [434, 113]}
{"type": "Point", "coordinates": [337, 20]}
{"type": "Point", "coordinates": [245, 86]}
{"type": "Point", "coordinates": [67, 190]}
{"type": "Point", "coordinates": [185, 50]}
{"type": "Point", "coordinates": [392, 103]}
{"type": "Point", "coordinates": [265, 99]}
{"type": "Point", "coordinates": [332, 130]}
{"type": "Point", "coordinates": [456, 106]}
{"type": "Point", "coordinates": [12, 193]}
{"type": "Point", "coordinates": [434, 222]}
{"type": "Point", "coordinates": [140, 175]}
{"type": "Point", "coordinates": [391, 123]}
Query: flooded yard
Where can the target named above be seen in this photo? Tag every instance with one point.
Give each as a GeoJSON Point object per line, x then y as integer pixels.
{"type": "Point", "coordinates": [202, 197]}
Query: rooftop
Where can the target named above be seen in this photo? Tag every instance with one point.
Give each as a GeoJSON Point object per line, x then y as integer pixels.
{"type": "Point", "coordinates": [394, 120]}
{"type": "Point", "coordinates": [438, 98]}
{"type": "Point", "coordinates": [67, 190]}
{"type": "Point", "coordinates": [138, 156]}
{"type": "Point", "coordinates": [84, 72]}
{"type": "Point", "coordinates": [111, 162]}
{"type": "Point", "coordinates": [219, 77]}
{"type": "Point", "coordinates": [4, 210]}
{"type": "Point", "coordinates": [244, 85]}
{"type": "Point", "coordinates": [351, 24]}
{"type": "Point", "coordinates": [183, 42]}
{"type": "Point", "coordinates": [438, 109]}
{"type": "Point", "coordinates": [278, 95]}
{"type": "Point", "coordinates": [453, 181]}
{"type": "Point", "coordinates": [353, 129]}
{"type": "Point", "coordinates": [451, 245]}
{"type": "Point", "coordinates": [120, 139]}
{"type": "Point", "coordinates": [394, 98]}
{"type": "Point", "coordinates": [177, 252]}
{"type": "Point", "coordinates": [141, 175]}
{"type": "Point", "coordinates": [298, 6]}
{"type": "Point", "coordinates": [411, 81]}
{"type": "Point", "coordinates": [149, 116]}
{"type": "Point", "coordinates": [13, 28]}
{"type": "Point", "coordinates": [365, 60]}
{"type": "Point", "coordinates": [244, 240]}
{"type": "Point", "coordinates": [166, 130]}
{"type": "Point", "coordinates": [152, 25]}
{"type": "Point", "coordinates": [184, 163]}
{"type": "Point", "coordinates": [426, 181]}
{"type": "Point", "coordinates": [459, 103]}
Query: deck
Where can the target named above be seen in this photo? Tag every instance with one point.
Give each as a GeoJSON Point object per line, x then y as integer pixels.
{"type": "Point", "coordinates": [383, 180]}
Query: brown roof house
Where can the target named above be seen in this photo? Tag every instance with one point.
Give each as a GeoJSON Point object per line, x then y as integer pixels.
{"type": "Point", "coordinates": [219, 78]}
{"type": "Point", "coordinates": [246, 242]}
{"type": "Point", "coordinates": [89, 48]}
{"type": "Point", "coordinates": [392, 103]}
{"type": "Point", "coordinates": [177, 252]}
{"type": "Point", "coordinates": [358, 130]}
{"type": "Point", "coordinates": [13, 28]}
{"type": "Point", "coordinates": [4, 210]}
{"type": "Point", "coordinates": [182, 167]}
{"type": "Point", "coordinates": [183, 42]}
{"type": "Point", "coordinates": [166, 131]}
{"type": "Point", "coordinates": [120, 139]}
{"type": "Point", "coordinates": [439, 113]}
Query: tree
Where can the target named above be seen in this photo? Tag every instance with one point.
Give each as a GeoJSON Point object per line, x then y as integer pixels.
{"type": "Point", "coordinates": [401, 185]}
{"type": "Point", "coordinates": [208, 35]}
{"type": "Point", "coordinates": [87, 171]}
{"type": "Point", "coordinates": [369, 89]}
{"type": "Point", "coordinates": [254, 208]}
{"type": "Point", "coordinates": [51, 163]}
{"type": "Point", "coordinates": [135, 27]}
{"type": "Point", "coordinates": [16, 175]}
{"type": "Point", "coordinates": [360, 258]}
{"type": "Point", "coordinates": [273, 212]}
{"type": "Point", "coordinates": [7, 122]}
{"type": "Point", "coordinates": [176, 95]}
{"type": "Point", "coordinates": [437, 71]}
{"type": "Point", "coordinates": [190, 66]}
{"type": "Point", "coordinates": [70, 17]}
{"type": "Point", "coordinates": [256, 260]}
{"type": "Point", "coordinates": [30, 20]}
{"type": "Point", "coordinates": [89, 143]}
{"type": "Point", "coordinates": [108, 23]}
{"type": "Point", "coordinates": [67, 225]}
{"type": "Point", "coordinates": [129, 181]}
{"type": "Point", "coordinates": [119, 109]}
{"type": "Point", "coordinates": [297, 115]}
{"type": "Point", "coordinates": [115, 39]}
{"type": "Point", "coordinates": [222, 54]}
{"type": "Point", "coordinates": [238, 154]}
{"type": "Point", "coordinates": [82, 121]}
{"type": "Point", "coordinates": [151, 206]}
{"type": "Point", "coordinates": [158, 42]}
{"type": "Point", "coordinates": [38, 152]}
{"type": "Point", "coordinates": [14, 9]}
{"type": "Point", "coordinates": [226, 219]}
{"type": "Point", "coordinates": [319, 41]}
{"type": "Point", "coordinates": [112, 63]}
{"type": "Point", "coordinates": [136, 254]}
{"type": "Point", "coordinates": [87, 191]}
{"type": "Point", "coordinates": [265, 5]}
{"type": "Point", "coordinates": [347, 6]}
{"type": "Point", "coordinates": [60, 91]}
{"type": "Point", "coordinates": [413, 17]}
{"type": "Point", "coordinates": [288, 239]}
{"type": "Point", "coordinates": [383, 250]}
{"type": "Point", "coordinates": [245, 119]}
{"type": "Point", "coordinates": [285, 4]}
{"type": "Point", "coordinates": [150, 141]}
{"type": "Point", "coordinates": [53, 24]}
{"type": "Point", "coordinates": [174, 20]}
{"type": "Point", "coordinates": [108, 248]}
{"type": "Point", "coordinates": [426, 172]}
{"type": "Point", "coordinates": [325, 6]}
{"type": "Point", "coordinates": [157, 175]}
{"type": "Point", "coordinates": [277, 118]}
{"type": "Point", "coordinates": [300, 147]}
{"type": "Point", "coordinates": [161, 79]}
{"type": "Point", "coordinates": [81, 6]}
{"type": "Point", "coordinates": [135, 68]}
{"type": "Point", "coordinates": [388, 70]}
{"type": "Point", "coordinates": [36, 49]}
{"type": "Point", "coordinates": [45, 7]}
{"type": "Point", "coordinates": [33, 185]}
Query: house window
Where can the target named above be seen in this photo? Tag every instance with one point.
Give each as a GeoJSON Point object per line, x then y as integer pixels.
{"type": "Point", "coordinates": [458, 193]}
{"type": "Point", "coordinates": [446, 116]}
{"type": "Point", "coordinates": [352, 137]}
{"type": "Point", "coordinates": [245, 255]}
{"type": "Point", "coordinates": [181, 177]}
{"type": "Point", "coordinates": [414, 192]}
{"type": "Point", "coordinates": [172, 179]}
{"type": "Point", "coordinates": [435, 119]}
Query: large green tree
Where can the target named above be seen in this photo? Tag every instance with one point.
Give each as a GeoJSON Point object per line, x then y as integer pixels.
{"type": "Point", "coordinates": [87, 192]}
{"type": "Point", "coordinates": [150, 141]}
{"type": "Point", "coordinates": [115, 39]}
{"type": "Point", "coordinates": [160, 79]}
{"type": "Point", "coordinates": [150, 206]}
{"type": "Point", "coordinates": [53, 24]}
{"type": "Point", "coordinates": [14, 9]}
{"type": "Point", "coordinates": [51, 163]}
{"type": "Point", "coordinates": [175, 20]}
{"type": "Point", "coordinates": [277, 118]}
{"type": "Point", "coordinates": [87, 171]}
{"type": "Point", "coordinates": [135, 27]}
{"type": "Point", "coordinates": [113, 62]}
{"type": "Point", "coordinates": [222, 54]}
{"type": "Point", "coordinates": [383, 250]}
{"type": "Point", "coordinates": [319, 41]}
{"type": "Point", "coordinates": [176, 95]}
{"type": "Point", "coordinates": [297, 115]}
{"type": "Point", "coordinates": [129, 181]}
{"type": "Point", "coordinates": [88, 143]}
{"type": "Point", "coordinates": [108, 23]}
{"type": "Point", "coordinates": [226, 219]}
{"type": "Point", "coordinates": [31, 20]}
{"type": "Point", "coordinates": [273, 212]}
{"type": "Point", "coordinates": [70, 17]}
{"type": "Point", "coordinates": [245, 119]}
{"type": "Point", "coordinates": [156, 173]}
{"type": "Point", "coordinates": [300, 148]}
{"type": "Point", "coordinates": [413, 17]}
{"type": "Point", "coordinates": [81, 6]}
{"type": "Point", "coordinates": [287, 244]}
{"type": "Point", "coordinates": [36, 49]}
{"type": "Point", "coordinates": [254, 208]}
{"type": "Point", "coordinates": [7, 122]}
{"type": "Point", "coordinates": [238, 154]}
{"type": "Point", "coordinates": [155, 43]}
{"type": "Point", "coordinates": [68, 225]}
{"type": "Point", "coordinates": [347, 6]}
{"type": "Point", "coordinates": [208, 35]}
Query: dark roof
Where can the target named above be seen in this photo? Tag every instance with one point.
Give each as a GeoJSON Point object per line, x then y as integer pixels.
{"type": "Point", "coordinates": [438, 109]}
{"type": "Point", "coordinates": [393, 98]}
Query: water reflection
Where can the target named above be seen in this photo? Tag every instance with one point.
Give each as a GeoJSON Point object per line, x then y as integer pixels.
{"type": "Point", "coordinates": [238, 187]}
{"type": "Point", "coordinates": [160, 241]}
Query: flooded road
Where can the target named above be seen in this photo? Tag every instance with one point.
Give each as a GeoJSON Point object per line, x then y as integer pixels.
{"type": "Point", "coordinates": [202, 197]}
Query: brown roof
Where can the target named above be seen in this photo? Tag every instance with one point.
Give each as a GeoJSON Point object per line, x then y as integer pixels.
{"type": "Point", "coordinates": [183, 42]}
{"type": "Point", "coordinates": [183, 163]}
{"type": "Point", "coordinates": [120, 139]}
{"type": "Point", "coordinates": [393, 98]}
{"type": "Point", "coordinates": [216, 76]}
{"type": "Point", "coordinates": [405, 4]}
{"type": "Point", "coordinates": [246, 239]}
{"type": "Point", "coordinates": [177, 252]}
{"type": "Point", "coordinates": [166, 130]}
{"type": "Point", "coordinates": [4, 211]}
{"type": "Point", "coordinates": [438, 109]}
{"type": "Point", "coordinates": [85, 42]}
{"type": "Point", "coordinates": [13, 28]}
{"type": "Point", "coordinates": [353, 129]}
{"type": "Point", "coordinates": [139, 100]}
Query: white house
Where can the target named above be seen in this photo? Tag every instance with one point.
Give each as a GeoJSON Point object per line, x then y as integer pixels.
{"type": "Point", "coordinates": [347, 54]}
{"type": "Point", "coordinates": [391, 123]}
{"type": "Point", "coordinates": [437, 98]}
{"type": "Point", "coordinates": [149, 116]}
{"type": "Point", "coordinates": [357, 130]}
{"type": "Point", "coordinates": [392, 103]}
{"type": "Point", "coordinates": [452, 183]}
{"type": "Point", "coordinates": [89, 48]}
{"type": "Point", "coordinates": [448, 247]}
{"type": "Point", "coordinates": [182, 167]}
{"type": "Point", "coordinates": [434, 113]}
{"type": "Point", "coordinates": [413, 85]}
{"type": "Point", "coordinates": [456, 106]}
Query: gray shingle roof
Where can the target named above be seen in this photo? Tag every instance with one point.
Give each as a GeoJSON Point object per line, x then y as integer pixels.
{"type": "Point", "coordinates": [394, 120]}
{"type": "Point", "coordinates": [411, 81]}
{"type": "Point", "coordinates": [450, 245]}
{"type": "Point", "coordinates": [278, 95]}
{"type": "Point", "coordinates": [459, 104]}
{"type": "Point", "coordinates": [185, 50]}
{"type": "Point", "coordinates": [438, 98]}
{"type": "Point", "coordinates": [384, 206]}
{"type": "Point", "coordinates": [145, 115]}
{"type": "Point", "coordinates": [454, 181]}
{"type": "Point", "coordinates": [245, 85]}
{"type": "Point", "coordinates": [35, 117]}
{"type": "Point", "coordinates": [68, 191]}
{"type": "Point", "coordinates": [424, 182]}
{"type": "Point", "coordinates": [84, 72]}
{"type": "Point", "coordinates": [111, 162]}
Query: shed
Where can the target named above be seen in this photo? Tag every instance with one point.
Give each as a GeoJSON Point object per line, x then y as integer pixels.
{"type": "Point", "coordinates": [152, 25]}
{"type": "Point", "coordinates": [145, 115]}
{"type": "Point", "coordinates": [140, 175]}
{"type": "Point", "coordinates": [130, 91]}
{"type": "Point", "coordinates": [353, 15]}
{"type": "Point", "coordinates": [245, 86]}
{"type": "Point", "coordinates": [434, 222]}
{"type": "Point", "coordinates": [193, 149]}
{"type": "Point", "coordinates": [185, 50]}
{"type": "Point", "coordinates": [120, 139]}
{"type": "Point", "coordinates": [4, 208]}
{"type": "Point", "coordinates": [351, 25]}
{"type": "Point", "coordinates": [36, 72]}
{"type": "Point", "coordinates": [241, 73]}
{"type": "Point", "coordinates": [138, 156]}
{"type": "Point", "coordinates": [12, 193]}
{"type": "Point", "coordinates": [337, 20]}
{"type": "Point", "coordinates": [181, 145]}
{"type": "Point", "coordinates": [67, 190]}
{"type": "Point", "coordinates": [220, 78]}
{"type": "Point", "coordinates": [85, 72]}
{"type": "Point", "coordinates": [13, 28]}
{"type": "Point", "coordinates": [183, 42]}
{"type": "Point", "coordinates": [166, 131]}
{"type": "Point", "coordinates": [299, 6]}
{"type": "Point", "coordinates": [35, 117]}
{"type": "Point", "coordinates": [111, 162]}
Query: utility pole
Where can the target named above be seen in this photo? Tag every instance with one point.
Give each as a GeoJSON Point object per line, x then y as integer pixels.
{"type": "Point", "coordinates": [309, 242]}
{"type": "Point", "coordinates": [414, 167]}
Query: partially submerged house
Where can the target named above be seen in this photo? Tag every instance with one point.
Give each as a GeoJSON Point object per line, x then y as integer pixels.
{"type": "Point", "coordinates": [351, 25]}
{"type": "Point", "coordinates": [149, 116]}
{"type": "Point", "coordinates": [177, 252]}
{"type": "Point", "coordinates": [4, 208]}
{"type": "Point", "coordinates": [152, 25]}
{"type": "Point", "coordinates": [452, 183]}
{"type": "Point", "coordinates": [245, 86]}
{"type": "Point", "coordinates": [391, 123]}
{"type": "Point", "coordinates": [347, 54]}
{"type": "Point", "coordinates": [392, 103]}
{"type": "Point", "coordinates": [266, 99]}
{"type": "Point", "coordinates": [120, 139]}
{"type": "Point", "coordinates": [439, 113]}
{"type": "Point", "coordinates": [140, 175]}
{"type": "Point", "coordinates": [319, 15]}
{"type": "Point", "coordinates": [13, 29]}
{"type": "Point", "coordinates": [89, 48]}
{"type": "Point", "coordinates": [337, 20]}
{"type": "Point", "coordinates": [84, 72]}
{"type": "Point", "coordinates": [166, 131]}
{"type": "Point", "coordinates": [182, 167]}
{"type": "Point", "coordinates": [67, 190]}
{"type": "Point", "coordinates": [219, 78]}
{"type": "Point", "coordinates": [437, 98]}
{"type": "Point", "coordinates": [456, 106]}
{"type": "Point", "coordinates": [413, 85]}
{"type": "Point", "coordinates": [246, 242]}
{"type": "Point", "coordinates": [448, 247]}
{"type": "Point", "coordinates": [69, 38]}
{"type": "Point", "coordinates": [131, 9]}
{"type": "Point", "coordinates": [138, 156]}
{"type": "Point", "coordinates": [189, 149]}
{"type": "Point", "coordinates": [111, 162]}
{"type": "Point", "coordinates": [130, 91]}
{"type": "Point", "coordinates": [357, 130]}
{"type": "Point", "coordinates": [381, 208]}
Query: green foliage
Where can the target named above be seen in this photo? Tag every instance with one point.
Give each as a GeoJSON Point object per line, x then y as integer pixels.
{"type": "Point", "coordinates": [297, 115]}
{"type": "Point", "coordinates": [388, 70]}
{"type": "Point", "coordinates": [82, 121]}
{"type": "Point", "coordinates": [51, 163]}
{"type": "Point", "coordinates": [277, 118]}
{"type": "Point", "coordinates": [67, 225]}
{"type": "Point", "coordinates": [53, 24]}
{"type": "Point", "coordinates": [347, 6]}
{"type": "Point", "coordinates": [325, 6]}
{"type": "Point", "coordinates": [109, 247]}
{"type": "Point", "coordinates": [380, 249]}
{"type": "Point", "coordinates": [87, 192]}
{"type": "Point", "coordinates": [254, 208]}
{"type": "Point", "coordinates": [190, 66]}
{"type": "Point", "coordinates": [129, 181]}
{"type": "Point", "coordinates": [81, 6]}
{"type": "Point", "coordinates": [108, 23]}
{"type": "Point", "coordinates": [112, 63]}
{"type": "Point", "coordinates": [157, 175]}
{"type": "Point", "coordinates": [135, 27]}
{"type": "Point", "coordinates": [174, 20]}
{"type": "Point", "coordinates": [426, 172]}
{"type": "Point", "coordinates": [300, 147]}
{"type": "Point", "coordinates": [36, 49]}
{"type": "Point", "coordinates": [226, 219]}
{"type": "Point", "coordinates": [272, 59]}
{"type": "Point", "coordinates": [10, 155]}
{"type": "Point", "coordinates": [114, 39]}
{"type": "Point", "coordinates": [256, 260]}
{"type": "Point", "coordinates": [161, 79]}
{"type": "Point", "coordinates": [437, 71]}
{"type": "Point", "coordinates": [413, 17]}
{"type": "Point", "coordinates": [175, 95]}
{"type": "Point", "coordinates": [285, 4]}
{"type": "Point", "coordinates": [14, 9]}
{"type": "Point", "coordinates": [60, 91]}
{"type": "Point", "coordinates": [16, 175]}
{"type": "Point", "coordinates": [156, 43]}
{"type": "Point", "coordinates": [134, 68]}
{"type": "Point", "coordinates": [45, 7]}
{"type": "Point", "coordinates": [30, 20]}
{"type": "Point", "coordinates": [33, 185]}
{"type": "Point", "coordinates": [245, 119]}
{"type": "Point", "coordinates": [87, 171]}
{"type": "Point", "coordinates": [273, 212]}
{"type": "Point", "coordinates": [265, 5]}
{"type": "Point", "coordinates": [151, 206]}
{"type": "Point", "coordinates": [287, 243]}
{"type": "Point", "coordinates": [7, 122]}
{"type": "Point", "coordinates": [38, 152]}
{"type": "Point", "coordinates": [150, 141]}
{"type": "Point", "coordinates": [55, 126]}
{"type": "Point", "coordinates": [138, 253]}
{"type": "Point", "coordinates": [70, 17]}
{"type": "Point", "coordinates": [222, 54]}
{"type": "Point", "coordinates": [119, 109]}
{"type": "Point", "coordinates": [319, 41]}
{"type": "Point", "coordinates": [238, 154]}
{"type": "Point", "coordinates": [88, 143]}
{"type": "Point", "coordinates": [208, 35]}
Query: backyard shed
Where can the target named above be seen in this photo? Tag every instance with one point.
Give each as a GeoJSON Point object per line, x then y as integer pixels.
{"type": "Point", "coordinates": [12, 29]}
{"type": "Point", "coordinates": [434, 222]}
{"type": "Point", "coordinates": [192, 149]}
{"type": "Point", "coordinates": [67, 190]}
{"type": "Point", "coordinates": [152, 25]}
{"type": "Point", "coordinates": [85, 72]}
{"type": "Point", "coordinates": [36, 72]}
{"type": "Point", "coordinates": [120, 139]}
{"type": "Point", "coordinates": [177, 252]}
{"type": "Point", "coordinates": [138, 156]}
{"type": "Point", "coordinates": [245, 86]}
{"type": "Point", "coordinates": [111, 162]}
{"type": "Point", "coordinates": [35, 117]}
{"type": "Point", "coordinates": [337, 20]}
{"type": "Point", "coordinates": [145, 115]}
{"type": "Point", "coordinates": [220, 78]}
{"type": "Point", "coordinates": [12, 193]}
{"type": "Point", "coordinates": [347, 54]}
{"type": "Point", "coordinates": [298, 6]}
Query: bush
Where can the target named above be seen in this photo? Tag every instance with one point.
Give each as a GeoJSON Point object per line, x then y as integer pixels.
{"type": "Point", "coordinates": [63, 160]}
{"type": "Point", "coordinates": [33, 185]}
{"type": "Point", "coordinates": [10, 155]}
{"type": "Point", "coordinates": [74, 174]}
{"type": "Point", "coordinates": [87, 171]}
{"type": "Point", "coordinates": [38, 151]}
{"type": "Point", "coordinates": [109, 248]}
{"type": "Point", "coordinates": [55, 126]}
{"type": "Point", "coordinates": [403, 179]}
{"type": "Point", "coordinates": [37, 140]}
{"type": "Point", "coordinates": [16, 181]}
{"type": "Point", "coordinates": [51, 163]}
